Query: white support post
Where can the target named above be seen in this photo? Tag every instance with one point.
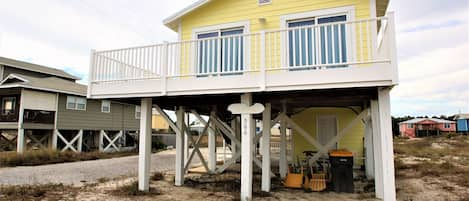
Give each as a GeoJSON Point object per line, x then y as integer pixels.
{"type": "Point", "coordinates": [80, 141]}
{"type": "Point", "coordinates": [212, 145]}
{"type": "Point", "coordinates": [369, 159]}
{"type": "Point", "coordinates": [186, 138]}
{"type": "Point", "coordinates": [101, 141]}
{"type": "Point", "coordinates": [377, 150]}
{"type": "Point", "coordinates": [266, 117]}
{"type": "Point", "coordinates": [54, 139]}
{"type": "Point", "coordinates": [283, 144]}
{"type": "Point", "coordinates": [179, 176]}
{"type": "Point", "coordinates": [144, 152]}
{"type": "Point", "coordinates": [21, 140]}
{"type": "Point", "coordinates": [385, 139]}
{"type": "Point", "coordinates": [247, 131]}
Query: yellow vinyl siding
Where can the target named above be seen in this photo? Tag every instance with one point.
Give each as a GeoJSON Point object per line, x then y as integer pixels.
{"type": "Point", "coordinates": [352, 141]}
{"type": "Point", "coordinates": [228, 11]}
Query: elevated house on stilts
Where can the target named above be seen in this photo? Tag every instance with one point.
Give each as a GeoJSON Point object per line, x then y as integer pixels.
{"type": "Point", "coordinates": [45, 108]}
{"type": "Point", "coordinates": [322, 70]}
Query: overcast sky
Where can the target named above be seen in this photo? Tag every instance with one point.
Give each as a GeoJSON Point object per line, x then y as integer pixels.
{"type": "Point", "coordinates": [432, 37]}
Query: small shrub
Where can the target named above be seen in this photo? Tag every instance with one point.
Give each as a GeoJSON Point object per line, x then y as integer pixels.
{"type": "Point", "coordinates": [132, 190]}
{"type": "Point", "coordinates": [157, 176]}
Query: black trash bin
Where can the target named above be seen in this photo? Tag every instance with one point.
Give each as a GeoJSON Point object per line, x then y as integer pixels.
{"type": "Point", "coordinates": [342, 171]}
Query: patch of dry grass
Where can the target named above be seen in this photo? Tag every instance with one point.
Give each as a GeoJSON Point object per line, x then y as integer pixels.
{"type": "Point", "coordinates": [42, 157]}
{"type": "Point", "coordinates": [34, 192]}
{"type": "Point", "coordinates": [445, 161]}
{"type": "Point", "coordinates": [131, 190]}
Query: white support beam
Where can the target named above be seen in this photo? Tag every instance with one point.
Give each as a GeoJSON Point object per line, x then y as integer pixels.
{"type": "Point", "coordinates": [179, 169]}
{"type": "Point", "coordinates": [186, 137]}
{"type": "Point", "coordinates": [111, 142]}
{"type": "Point", "coordinates": [247, 131]}
{"type": "Point", "coordinates": [212, 145]}
{"type": "Point", "coordinates": [384, 163]}
{"type": "Point", "coordinates": [101, 140]}
{"type": "Point", "coordinates": [70, 144]}
{"type": "Point", "coordinates": [54, 139]}
{"type": "Point", "coordinates": [369, 159]}
{"type": "Point", "coordinates": [266, 116]}
{"type": "Point", "coordinates": [377, 150]}
{"type": "Point", "coordinates": [21, 140]}
{"type": "Point", "coordinates": [80, 141]}
{"type": "Point", "coordinates": [144, 151]}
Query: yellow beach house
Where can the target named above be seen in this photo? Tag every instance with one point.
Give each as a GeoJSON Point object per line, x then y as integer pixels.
{"type": "Point", "coordinates": [320, 70]}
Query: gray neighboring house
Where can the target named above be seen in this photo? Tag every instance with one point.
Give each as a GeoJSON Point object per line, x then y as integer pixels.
{"type": "Point", "coordinates": [42, 107]}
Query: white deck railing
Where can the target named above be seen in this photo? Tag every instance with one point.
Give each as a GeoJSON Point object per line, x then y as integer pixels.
{"type": "Point", "coordinates": [316, 47]}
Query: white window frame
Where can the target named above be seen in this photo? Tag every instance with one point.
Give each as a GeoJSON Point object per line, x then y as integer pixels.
{"type": "Point", "coordinates": [410, 125]}
{"type": "Point", "coordinates": [75, 101]}
{"type": "Point", "coordinates": [103, 105]}
{"type": "Point", "coordinates": [447, 125]}
{"type": "Point", "coordinates": [336, 124]}
{"type": "Point", "coordinates": [11, 98]}
{"type": "Point", "coordinates": [348, 11]}
{"type": "Point", "coordinates": [138, 112]}
{"type": "Point", "coordinates": [245, 24]}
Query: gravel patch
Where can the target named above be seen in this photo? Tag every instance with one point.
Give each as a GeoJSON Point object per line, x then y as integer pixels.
{"type": "Point", "coordinates": [79, 173]}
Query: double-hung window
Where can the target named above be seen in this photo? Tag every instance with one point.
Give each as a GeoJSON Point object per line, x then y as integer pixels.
{"type": "Point", "coordinates": [106, 106]}
{"type": "Point", "coordinates": [8, 105]}
{"type": "Point", "coordinates": [76, 103]}
{"type": "Point", "coordinates": [138, 112]}
{"type": "Point", "coordinates": [447, 125]}
{"type": "Point", "coordinates": [220, 51]}
{"type": "Point", "coordinates": [316, 41]}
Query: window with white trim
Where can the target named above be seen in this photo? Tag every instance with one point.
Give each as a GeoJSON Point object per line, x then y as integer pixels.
{"type": "Point", "coordinates": [410, 125]}
{"type": "Point", "coordinates": [106, 106]}
{"type": "Point", "coordinates": [311, 46]}
{"type": "Point", "coordinates": [220, 55]}
{"type": "Point", "coordinates": [447, 125]}
{"type": "Point", "coordinates": [8, 105]}
{"type": "Point", "coordinates": [137, 112]}
{"type": "Point", "coordinates": [76, 103]}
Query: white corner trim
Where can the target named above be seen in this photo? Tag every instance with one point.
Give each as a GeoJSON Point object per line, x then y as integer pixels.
{"type": "Point", "coordinates": [15, 77]}
{"type": "Point", "coordinates": [373, 8]}
{"type": "Point", "coordinates": [184, 11]}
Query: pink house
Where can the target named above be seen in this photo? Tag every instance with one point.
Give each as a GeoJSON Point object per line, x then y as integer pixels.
{"type": "Point", "coordinates": [420, 127]}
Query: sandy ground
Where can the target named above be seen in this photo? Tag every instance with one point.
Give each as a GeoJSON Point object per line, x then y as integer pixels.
{"type": "Point", "coordinates": [78, 173]}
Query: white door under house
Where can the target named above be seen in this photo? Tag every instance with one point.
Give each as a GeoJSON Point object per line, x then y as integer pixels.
{"type": "Point", "coordinates": [327, 129]}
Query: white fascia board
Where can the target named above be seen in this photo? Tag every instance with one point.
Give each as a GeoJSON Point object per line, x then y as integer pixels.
{"type": "Point", "coordinates": [40, 88]}
{"type": "Point", "coordinates": [188, 9]}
